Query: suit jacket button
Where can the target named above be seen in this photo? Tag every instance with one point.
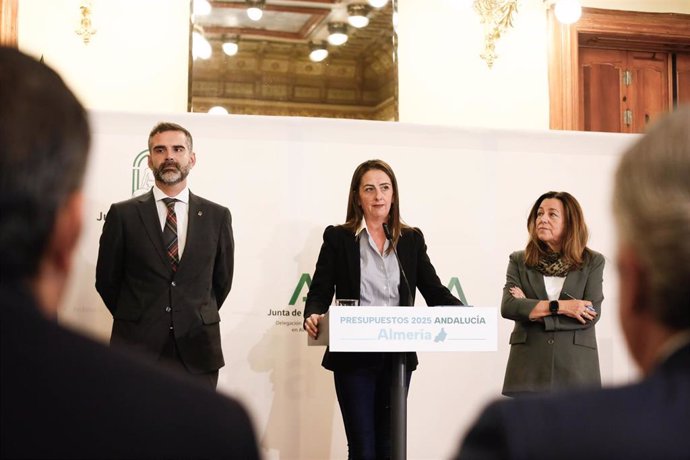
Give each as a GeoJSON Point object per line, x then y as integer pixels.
{"type": "Point", "coordinates": [550, 341]}
{"type": "Point", "coordinates": [171, 328]}
{"type": "Point", "coordinates": [173, 284]}
{"type": "Point", "coordinates": [168, 309]}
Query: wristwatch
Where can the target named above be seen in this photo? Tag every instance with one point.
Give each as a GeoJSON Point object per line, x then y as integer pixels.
{"type": "Point", "coordinates": [553, 307]}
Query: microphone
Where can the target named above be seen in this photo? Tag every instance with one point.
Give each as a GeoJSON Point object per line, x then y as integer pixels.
{"type": "Point", "coordinates": [389, 237]}
{"type": "Point", "coordinates": [387, 231]}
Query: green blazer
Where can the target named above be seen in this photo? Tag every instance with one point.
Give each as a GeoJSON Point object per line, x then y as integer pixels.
{"type": "Point", "coordinates": [559, 352]}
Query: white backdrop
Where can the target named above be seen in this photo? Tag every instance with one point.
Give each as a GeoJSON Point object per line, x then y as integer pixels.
{"type": "Point", "coordinates": [285, 180]}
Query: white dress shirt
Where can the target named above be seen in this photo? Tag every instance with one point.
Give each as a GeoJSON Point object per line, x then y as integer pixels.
{"type": "Point", "coordinates": [379, 274]}
{"type": "Point", "coordinates": [554, 286]}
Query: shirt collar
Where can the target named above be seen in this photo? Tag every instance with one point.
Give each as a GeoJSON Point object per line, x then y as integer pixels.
{"type": "Point", "coordinates": [183, 196]}
{"type": "Point", "coordinates": [362, 227]}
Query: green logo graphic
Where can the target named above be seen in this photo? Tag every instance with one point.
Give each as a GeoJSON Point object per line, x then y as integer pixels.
{"type": "Point", "coordinates": [304, 280]}
{"type": "Point", "coordinates": [142, 178]}
{"type": "Point", "coordinates": [454, 283]}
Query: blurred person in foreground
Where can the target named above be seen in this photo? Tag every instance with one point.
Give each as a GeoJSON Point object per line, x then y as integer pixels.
{"type": "Point", "coordinates": [357, 262]}
{"type": "Point", "coordinates": [63, 395]}
{"type": "Point", "coordinates": [650, 418]}
{"type": "Point", "coordinates": [553, 293]}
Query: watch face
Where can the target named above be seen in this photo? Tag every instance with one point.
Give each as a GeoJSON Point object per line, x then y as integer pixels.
{"type": "Point", "coordinates": [553, 306]}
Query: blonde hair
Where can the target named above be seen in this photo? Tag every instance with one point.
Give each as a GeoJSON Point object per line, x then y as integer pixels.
{"type": "Point", "coordinates": [651, 202]}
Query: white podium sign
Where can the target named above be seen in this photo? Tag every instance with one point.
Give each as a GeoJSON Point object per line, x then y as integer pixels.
{"type": "Point", "coordinates": [413, 329]}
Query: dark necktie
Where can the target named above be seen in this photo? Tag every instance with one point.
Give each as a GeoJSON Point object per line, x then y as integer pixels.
{"type": "Point", "coordinates": [170, 233]}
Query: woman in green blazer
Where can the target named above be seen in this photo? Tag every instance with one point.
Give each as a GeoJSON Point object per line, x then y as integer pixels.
{"type": "Point", "coordinates": [553, 292]}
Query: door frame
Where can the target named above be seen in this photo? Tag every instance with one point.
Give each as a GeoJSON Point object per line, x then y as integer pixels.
{"type": "Point", "coordinates": [8, 23]}
{"type": "Point", "coordinates": [661, 31]}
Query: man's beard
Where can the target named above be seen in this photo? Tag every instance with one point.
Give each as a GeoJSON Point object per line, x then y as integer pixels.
{"type": "Point", "coordinates": [171, 177]}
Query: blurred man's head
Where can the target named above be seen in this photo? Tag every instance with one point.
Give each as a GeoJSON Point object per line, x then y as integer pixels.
{"type": "Point", "coordinates": [44, 143]}
{"type": "Point", "coordinates": [652, 208]}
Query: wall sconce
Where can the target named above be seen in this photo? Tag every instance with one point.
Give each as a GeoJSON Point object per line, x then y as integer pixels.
{"type": "Point", "coordinates": [497, 17]}
{"type": "Point", "coordinates": [85, 29]}
{"type": "Point", "coordinates": [568, 11]}
{"type": "Point", "coordinates": [201, 48]}
{"type": "Point", "coordinates": [255, 10]}
{"type": "Point", "coordinates": [337, 33]}
{"type": "Point", "coordinates": [377, 3]}
{"type": "Point", "coordinates": [318, 51]}
{"type": "Point", "coordinates": [357, 15]}
{"type": "Point", "coordinates": [231, 45]}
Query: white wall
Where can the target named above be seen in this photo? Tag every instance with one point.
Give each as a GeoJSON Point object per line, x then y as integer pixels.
{"type": "Point", "coordinates": [444, 81]}
{"type": "Point", "coordinates": [136, 62]}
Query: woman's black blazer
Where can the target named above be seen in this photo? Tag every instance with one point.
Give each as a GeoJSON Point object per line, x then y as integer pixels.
{"type": "Point", "coordinates": [338, 271]}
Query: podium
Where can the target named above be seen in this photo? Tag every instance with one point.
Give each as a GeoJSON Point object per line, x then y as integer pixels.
{"type": "Point", "coordinates": [407, 329]}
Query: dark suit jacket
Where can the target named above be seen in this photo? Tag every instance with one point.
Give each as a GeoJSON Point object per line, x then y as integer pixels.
{"type": "Point", "coordinates": [65, 396]}
{"type": "Point", "coordinates": [560, 352]}
{"type": "Point", "coordinates": [647, 420]}
{"type": "Point", "coordinates": [137, 284]}
{"type": "Point", "coordinates": [338, 270]}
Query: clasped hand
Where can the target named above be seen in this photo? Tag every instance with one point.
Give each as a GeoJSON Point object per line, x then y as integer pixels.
{"type": "Point", "coordinates": [311, 325]}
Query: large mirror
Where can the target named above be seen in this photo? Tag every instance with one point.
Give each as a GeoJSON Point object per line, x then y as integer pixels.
{"type": "Point", "coordinates": [289, 58]}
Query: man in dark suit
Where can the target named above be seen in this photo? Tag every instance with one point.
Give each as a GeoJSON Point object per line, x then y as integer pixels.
{"type": "Point", "coordinates": [648, 419]}
{"type": "Point", "coordinates": [165, 263]}
{"type": "Point", "coordinates": [62, 395]}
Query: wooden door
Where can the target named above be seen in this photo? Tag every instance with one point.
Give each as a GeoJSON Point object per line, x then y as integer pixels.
{"type": "Point", "coordinates": [8, 23]}
{"type": "Point", "coordinates": [649, 88]}
{"type": "Point", "coordinates": [602, 97]}
{"type": "Point", "coordinates": [683, 78]}
{"type": "Point", "coordinates": [622, 91]}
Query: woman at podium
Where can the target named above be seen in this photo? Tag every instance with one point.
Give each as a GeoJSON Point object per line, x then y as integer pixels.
{"type": "Point", "coordinates": [553, 292]}
{"type": "Point", "coordinates": [358, 261]}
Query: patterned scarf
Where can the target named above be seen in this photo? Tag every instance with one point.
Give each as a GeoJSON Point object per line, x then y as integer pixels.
{"type": "Point", "coordinates": [552, 264]}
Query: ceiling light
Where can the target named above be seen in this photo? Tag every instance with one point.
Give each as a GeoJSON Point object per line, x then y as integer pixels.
{"type": "Point", "coordinates": [377, 3]}
{"type": "Point", "coordinates": [218, 110]}
{"type": "Point", "coordinates": [568, 11]}
{"type": "Point", "coordinates": [231, 45]}
{"type": "Point", "coordinates": [357, 15]}
{"type": "Point", "coordinates": [201, 48]}
{"type": "Point", "coordinates": [201, 8]}
{"type": "Point", "coordinates": [318, 52]}
{"type": "Point", "coordinates": [255, 9]}
{"type": "Point", "coordinates": [337, 33]}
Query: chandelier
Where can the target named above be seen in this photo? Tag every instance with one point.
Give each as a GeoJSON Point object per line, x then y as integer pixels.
{"type": "Point", "coordinates": [497, 17]}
